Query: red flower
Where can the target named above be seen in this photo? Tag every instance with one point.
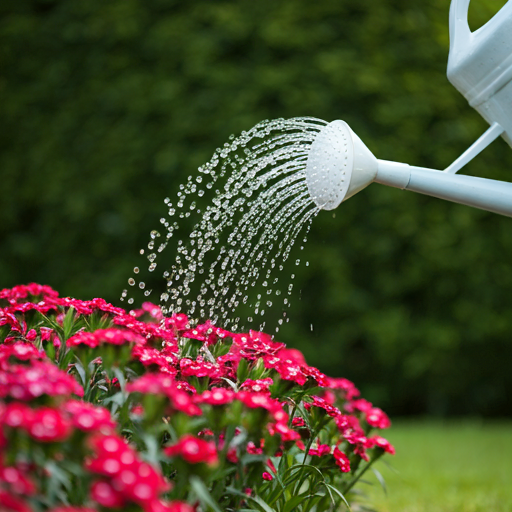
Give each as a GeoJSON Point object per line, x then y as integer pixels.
{"type": "Point", "coordinates": [376, 417]}
{"type": "Point", "coordinates": [173, 506]}
{"type": "Point", "coordinates": [193, 450]}
{"type": "Point", "coordinates": [25, 382]}
{"type": "Point", "coordinates": [350, 391]}
{"type": "Point", "coordinates": [321, 449]}
{"type": "Point", "coordinates": [267, 476]}
{"type": "Point", "coordinates": [89, 418]}
{"type": "Point", "coordinates": [207, 332]}
{"type": "Point", "coordinates": [199, 368]}
{"type": "Point", "coordinates": [341, 460]}
{"type": "Point", "coordinates": [217, 396]}
{"type": "Point", "coordinates": [106, 496]}
{"type": "Point", "coordinates": [11, 503]}
{"type": "Point", "coordinates": [16, 481]}
{"type": "Point", "coordinates": [380, 442]}
{"type": "Point", "coordinates": [258, 386]}
{"type": "Point", "coordinates": [177, 321]}
{"type": "Point", "coordinates": [16, 415]}
{"type": "Point", "coordinates": [256, 344]}
{"type": "Point", "coordinates": [152, 357]}
{"type": "Point", "coordinates": [161, 384]}
{"type": "Point", "coordinates": [102, 336]}
{"type": "Point", "coordinates": [358, 405]}
{"type": "Point", "coordinates": [298, 422]}
{"type": "Point", "coordinates": [322, 404]}
{"type": "Point", "coordinates": [49, 425]}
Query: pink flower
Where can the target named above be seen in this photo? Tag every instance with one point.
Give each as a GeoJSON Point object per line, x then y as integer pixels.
{"type": "Point", "coordinates": [193, 450]}
{"type": "Point", "coordinates": [320, 450]}
{"type": "Point", "coordinates": [153, 358]}
{"type": "Point", "coordinates": [348, 388]}
{"type": "Point", "coordinates": [217, 396]}
{"type": "Point", "coordinates": [358, 405]}
{"type": "Point", "coordinates": [106, 496]}
{"type": "Point", "coordinates": [341, 460]}
{"type": "Point", "coordinates": [298, 422]}
{"type": "Point", "coordinates": [256, 344]}
{"type": "Point", "coordinates": [267, 476]}
{"type": "Point", "coordinates": [26, 382]}
{"type": "Point", "coordinates": [253, 449]}
{"type": "Point", "coordinates": [173, 506]}
{"type": "Point", "coordinates": [161, 384]}
{"type": "Point", "coordinates": [322, 404]}
{"type": "Point", "coordinates": [88, 418]}
{"type": "Point", "coordinates": [16, 481]}
{"type": "Point", "coordinates": [101, 336]}
{"type": "Point", "coordinates": [377, 418]}
{"type": "Point", "coordinates": [49, 425]}
{"type": "Point", "coordinates": [207, 332]}
{"type": "Point", "coordinates": [382, 443]}
{"type": "Point", "coordinates": [287, 370]}
{"type": "Point", "coordinates": [177, 321]}
{"type": "Point", "coordinates": [13, 503]}
{"type": "Point", "coordinates": [199, 368]}
{"type": "Point", "coordinates": [258, 386]}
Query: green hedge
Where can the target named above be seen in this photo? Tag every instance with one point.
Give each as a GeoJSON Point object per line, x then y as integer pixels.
{"type": "Point", "coordinates": [107, 107]}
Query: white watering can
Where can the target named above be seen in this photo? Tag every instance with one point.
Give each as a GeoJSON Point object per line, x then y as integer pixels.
{"type": "Point", "coordinates": [480, 67]}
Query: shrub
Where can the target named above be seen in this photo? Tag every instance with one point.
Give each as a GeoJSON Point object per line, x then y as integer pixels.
{"type": "Point", "coordinates": [102, 409]}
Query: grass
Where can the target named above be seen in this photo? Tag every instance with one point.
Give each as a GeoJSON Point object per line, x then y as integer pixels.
{"type": "Point", "coordinates": [455, 466]}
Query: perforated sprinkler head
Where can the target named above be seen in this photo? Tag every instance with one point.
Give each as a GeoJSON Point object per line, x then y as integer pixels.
{"type": "Point", "coordinates": [339, 165]}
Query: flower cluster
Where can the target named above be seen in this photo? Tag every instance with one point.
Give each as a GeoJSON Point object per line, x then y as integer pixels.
{"type": "Point", "coordinates": [105, 409]}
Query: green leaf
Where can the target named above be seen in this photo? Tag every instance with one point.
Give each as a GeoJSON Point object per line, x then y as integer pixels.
{"type": "Point", "coordinates": [265, 506]}
{"type": "Point", "coordinates": [381, 480]}
{"type": "Point", "coordinates": [203, 494]}
{"type": "Point", "coordinates": [242, 371]}
{"type": "Point", "coordinates": [67, 323]}
{"type": "Point", "coordinates": [332, 488]}
{"type": "Point", "coordinates": [294, 501]}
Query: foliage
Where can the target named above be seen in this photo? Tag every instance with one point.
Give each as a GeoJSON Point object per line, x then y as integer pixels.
{"type": "Point", "coordinates": [108, 106]}
{"type": "Point", "coordinates": [108, 409]}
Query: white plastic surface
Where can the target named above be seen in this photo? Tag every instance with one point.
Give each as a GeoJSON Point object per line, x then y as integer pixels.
{"type": "Point", "coordinates": [480, 64]}
{"type": "Point", "coordinates": [339, 165]}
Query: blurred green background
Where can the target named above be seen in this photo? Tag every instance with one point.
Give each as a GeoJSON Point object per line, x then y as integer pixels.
{"type": "Point", "coordinates": [107, 106]}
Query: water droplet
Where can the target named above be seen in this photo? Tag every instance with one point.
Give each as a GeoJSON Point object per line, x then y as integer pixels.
{"type": "Point", "coordinates": [131, 281]}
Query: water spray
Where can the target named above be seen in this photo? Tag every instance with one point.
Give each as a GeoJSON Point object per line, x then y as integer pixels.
{"type": "Point", "coordinates": [480, 66]}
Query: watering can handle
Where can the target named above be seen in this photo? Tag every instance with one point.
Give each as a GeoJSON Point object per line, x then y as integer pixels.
{"type": "Point", "coordinates": [460, 34]}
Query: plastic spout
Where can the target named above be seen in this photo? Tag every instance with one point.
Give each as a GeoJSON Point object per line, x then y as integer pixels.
{"type": "Point", "coordinates": [490, 195]}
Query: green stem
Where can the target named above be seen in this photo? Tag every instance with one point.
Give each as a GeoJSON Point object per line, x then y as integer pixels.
{"type": "Point", "coordinates": [363, 471]}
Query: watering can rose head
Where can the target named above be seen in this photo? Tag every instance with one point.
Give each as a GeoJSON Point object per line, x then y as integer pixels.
{"type": "Point", "coordinates": [183, 413]}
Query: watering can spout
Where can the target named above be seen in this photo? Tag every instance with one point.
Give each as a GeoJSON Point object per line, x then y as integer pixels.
{"type": "Point", "coordinates": [339, 165]}
{"type": "Point", "coordinates": [480, 64]}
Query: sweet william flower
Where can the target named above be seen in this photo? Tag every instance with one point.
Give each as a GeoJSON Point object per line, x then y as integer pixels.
{"type": "Point", "coordinates": [215, 396]}
{"type": "Point", "coordinates": [11, 503]}
{"type": "Point", "coordinates": [380, 442]}
{"type": "Point", "coordinates": [17, 481]}
{"type": "Point", "coordinates": [193, 450]}
{"type": "Point", "coordinates": [377, 418]}
{"type": "Point", "coordinates": [49, 425]}
{"type": "Point", "coordinates": [105, 495]}
{"type": "Point", "coordinates": [341, 460]}
{"type": "Point", "coordinates": [89, 418]}
{"type": "Point", "coordinates": [105, 336]}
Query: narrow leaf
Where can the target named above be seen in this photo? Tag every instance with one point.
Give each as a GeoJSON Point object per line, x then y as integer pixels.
{"type": "Point", "coordinates": [203, 494]}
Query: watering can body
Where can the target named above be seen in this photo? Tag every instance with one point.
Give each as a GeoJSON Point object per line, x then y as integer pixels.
{"type": "Point", "coordinates": [480, 64]}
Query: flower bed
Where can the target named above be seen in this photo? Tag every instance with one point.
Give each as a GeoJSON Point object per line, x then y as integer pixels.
{"type": "Point", "coordinates": [101, 409]}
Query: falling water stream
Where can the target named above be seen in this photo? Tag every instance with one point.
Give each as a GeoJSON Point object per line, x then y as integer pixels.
{"type": "Point", "coordinates": [232, 258]}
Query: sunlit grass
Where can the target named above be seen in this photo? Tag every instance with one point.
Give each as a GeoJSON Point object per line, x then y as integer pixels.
{"type": "Point", "coordinates": [456, 466]}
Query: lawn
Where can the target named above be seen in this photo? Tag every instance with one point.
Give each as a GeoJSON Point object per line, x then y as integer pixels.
{"type": "Point", "coordinates": [455, 466]}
